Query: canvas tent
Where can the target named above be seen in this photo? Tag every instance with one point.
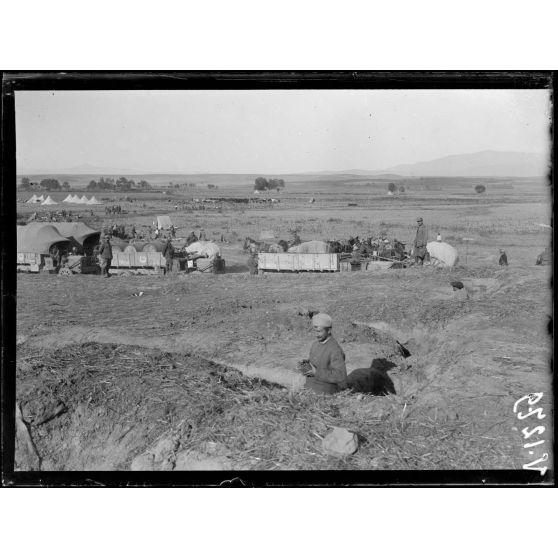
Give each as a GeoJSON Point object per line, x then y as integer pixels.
{"type": "Point", "coordinates": [33, 199]}
{"type": "Point", "coordinates": [68, 199]}
{"type": "Point", "coordinates": [83, 199]}
{"type": "Point", "coordinates": [93, 201]}
{"type": "Point", "coordinates": [41, 198]}
{"type": "Point", "coordinates": [442, 254]}
{"type": "Point", "coordinates": [75, 199]}
{"type": "Point", "coordinates": [49, 201]}
{"type": "Point", "coordinates": [79, 232]}
{"type": "Point", "coordinates": [38, 238]}
{"type": "Point", "coordinates": [163, 222]}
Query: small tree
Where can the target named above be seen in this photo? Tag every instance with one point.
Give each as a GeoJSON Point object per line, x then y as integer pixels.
{"type": "Point", "coordinates": [50, 184]}
{"type": "Point", "coordinates": [480, 188]}
{"type": "Point", "coordinates": [401, 188]}
{"type": "Point", "coordinates": [25, 184]}
{"type": "Point", "coordinates": [260, 183]}
{"type": "Point", "coordinates": [392, 188]}
{"type": "Point", "coordinates": [65, 185]}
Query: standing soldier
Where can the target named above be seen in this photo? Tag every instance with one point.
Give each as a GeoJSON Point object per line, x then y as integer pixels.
{"type": "Point", "coordinates": [106, 256]}
{"type": "Point", "coordinates": [168, 253]}
{"type": "Point", "coordinates": [55, 257]}
{"type": "Point", "coordinates": [421, 239]}
{"type": "Point", "coordinates": [253, 263]}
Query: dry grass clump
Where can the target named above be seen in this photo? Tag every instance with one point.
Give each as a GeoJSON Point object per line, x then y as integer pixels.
{"type": "Point", "coordinates": [145, 395]}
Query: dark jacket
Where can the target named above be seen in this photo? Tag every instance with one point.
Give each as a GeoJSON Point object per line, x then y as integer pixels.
{"type": "Point", "coordinates": [168, 251]}
{"type": "Point", "coordinates": [329, 361]}
{"type": "Point", "coordinates": [421, 239]}
{"type": "Point", "coordinates": [106, 250]}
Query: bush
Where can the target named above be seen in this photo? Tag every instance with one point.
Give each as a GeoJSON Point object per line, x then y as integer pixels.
{"type": "Point", "coordinates": [480, 188]}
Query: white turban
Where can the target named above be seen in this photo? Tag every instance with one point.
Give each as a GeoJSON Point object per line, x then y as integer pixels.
{"type": "Point", "coordinates": [322, 320]}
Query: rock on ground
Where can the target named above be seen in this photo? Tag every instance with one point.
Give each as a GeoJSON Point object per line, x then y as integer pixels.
{"type": "Point", "coordinates": [340, 442]}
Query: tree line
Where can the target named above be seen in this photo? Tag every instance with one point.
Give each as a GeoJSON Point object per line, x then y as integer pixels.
{"type": "Point", "coordinates": [121, 184]}
{"type": "Point", "coordinates": [47, 184]}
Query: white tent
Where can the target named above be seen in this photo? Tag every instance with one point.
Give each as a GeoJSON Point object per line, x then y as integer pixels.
{"type": "Point", "coordinates": [67, 199]}
{"type": "Point", "coordinates": [163, 222]}
{"type": "Point", "coordinates": [93, 201]}
{"type": "Point", "coordinates": [75, 199]}
{"type": "Point", "coordinates": [83, 199]}
{"type": "Point", "coordinates": [41, 198]}
{"type": "Point", "coordinates": [49, 201]}
{"type": "Point", "coordinates": [33, 199]}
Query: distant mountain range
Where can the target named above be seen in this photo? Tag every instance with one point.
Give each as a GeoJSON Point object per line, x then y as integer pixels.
{"type": "Point", "coordinates": [482, 163]}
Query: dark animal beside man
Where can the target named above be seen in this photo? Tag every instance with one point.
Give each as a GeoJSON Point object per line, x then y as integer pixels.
{"type": "Point", "coordinates": [503, 258]}
{"type": "Point", "coordinates": [374, 380]}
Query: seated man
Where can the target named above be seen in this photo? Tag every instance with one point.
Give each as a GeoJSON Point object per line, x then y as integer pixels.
{"type": "Point", "coordinates": [329, 374]}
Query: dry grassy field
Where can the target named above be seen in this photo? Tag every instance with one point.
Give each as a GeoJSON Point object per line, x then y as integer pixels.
{"type": "Point", "coordinates": [200, 371]}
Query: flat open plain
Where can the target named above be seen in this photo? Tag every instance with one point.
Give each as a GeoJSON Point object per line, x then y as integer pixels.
{"type": "Point", "coordinates": [162, 374]}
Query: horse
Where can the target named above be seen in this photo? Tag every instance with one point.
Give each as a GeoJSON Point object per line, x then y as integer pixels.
{"type": "Point", "coordinates": [250, 245]}
{"type": "Point", "coordinates": [254, 246]}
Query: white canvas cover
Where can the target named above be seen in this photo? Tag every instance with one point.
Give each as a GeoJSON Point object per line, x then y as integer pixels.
{"type": "Point", "coordinates": [49, 201]}
{"type": "Point", "coordinates": [310, 247]}
{"type": "Point", "coordinates": [267, 235]}
{"type": "Point", "coordinates": [75, 199]}
{"type": "Point", "coordinates": [205, 249]}
{"type": "Point", "coordinates": [68, 199]}
{"type": "Point", "coordinates": [93, 201]}
{"type": "Point", "coordinates": [33, 199]}
{"type": "Point", "coordinates": [83, 199]}
{"type": "Point", "coordinates": [41, 198]}
{"type": "Point", "coordinates": [78, 231]}
{"type": "Point", "coordinates": [164, 222]}
{"type": "Point", "coordinates": [442, 254]}
{"type": "Point", "coordinates": [38, 238]}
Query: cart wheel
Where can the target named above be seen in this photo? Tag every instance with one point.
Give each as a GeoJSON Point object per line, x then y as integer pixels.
{"type": "Point", "coordinates": [65, 271]}
{"type": "Point", "coordinates": [125, 274]}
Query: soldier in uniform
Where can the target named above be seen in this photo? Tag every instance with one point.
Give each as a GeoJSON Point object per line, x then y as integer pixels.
{"type": "Point", "coordinates": [106, 256]}
{"type": "Point", "coordinates": [168, 254]}
{"type": "Point", "coordinates": [421, 239]}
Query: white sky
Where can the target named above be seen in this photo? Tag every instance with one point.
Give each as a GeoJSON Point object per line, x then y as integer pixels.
{"type": "Point", "coordinates": [271, 131]}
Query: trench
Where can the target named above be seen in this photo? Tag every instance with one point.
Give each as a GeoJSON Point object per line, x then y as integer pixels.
{"type": "Point", "coordinates": [193, 343]}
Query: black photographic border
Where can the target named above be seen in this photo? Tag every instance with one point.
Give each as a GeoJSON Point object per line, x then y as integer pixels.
{"type": "Point", "coordinates": [13, 81]}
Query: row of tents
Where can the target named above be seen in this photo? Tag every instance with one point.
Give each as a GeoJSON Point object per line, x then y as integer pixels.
{"type": "Point", "coordinates": [69, 199]}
